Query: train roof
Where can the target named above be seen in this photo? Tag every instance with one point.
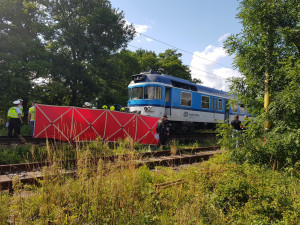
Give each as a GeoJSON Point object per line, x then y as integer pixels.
{"type": "Point", "coordinates": [176, 82]}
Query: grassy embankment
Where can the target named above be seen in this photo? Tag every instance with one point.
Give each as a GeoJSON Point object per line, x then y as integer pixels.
{"type": "Point", "coordinates": [214, 192]}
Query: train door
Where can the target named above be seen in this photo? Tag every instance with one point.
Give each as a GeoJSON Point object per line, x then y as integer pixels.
{"type": "Point", "coordinates": [214, 107]}
{"type": "Point", "coordinates": [168, 101]}
{"type": "Point", "coordinates": [215, 104]}
{"type": "Point", "coordinates": [226, 117]}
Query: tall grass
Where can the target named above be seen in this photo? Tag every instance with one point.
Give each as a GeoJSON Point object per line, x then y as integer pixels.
{"type": "Point", "coordinates": [215, 192]}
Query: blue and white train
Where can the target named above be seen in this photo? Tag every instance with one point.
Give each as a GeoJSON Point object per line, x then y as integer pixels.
{"type": "Point", "coordinates": [185, 103]}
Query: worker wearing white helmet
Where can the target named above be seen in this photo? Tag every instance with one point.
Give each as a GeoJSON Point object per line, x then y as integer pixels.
{"type": "Point", "coordinates": [87, 105]}
{"type": "Point", "coordinates": [21, 106]}
{"type": "Point", "coordinates": [14, 116]}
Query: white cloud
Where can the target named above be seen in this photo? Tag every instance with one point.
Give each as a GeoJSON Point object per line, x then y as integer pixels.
{"type": "Point", "coordinates": [223, 38]}
{"type": "Point", "coordinates": [148, 39]}
{"type": "Point", "coordinates": [139, 28]}
{"type": "Point", "coordinates": [204, 66]}
{"type": "Point", "coordinates": [142, 28]}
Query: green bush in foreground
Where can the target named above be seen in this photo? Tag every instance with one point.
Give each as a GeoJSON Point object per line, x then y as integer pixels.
{"type": "Point", "coordinates": [214, 192]}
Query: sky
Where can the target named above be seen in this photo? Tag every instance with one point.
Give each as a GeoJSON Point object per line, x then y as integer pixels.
{"type": "Point", "coordinates": [197, 28]}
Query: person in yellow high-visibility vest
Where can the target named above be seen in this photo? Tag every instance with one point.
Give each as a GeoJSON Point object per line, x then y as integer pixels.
{"type": "Point", "coordinates": [31, 117]}
{"type": "Point", "coordinates": [14, 117]}
{"type": "Point", "coordinates": [112, 108]}
{"type": "Point", "coordinates": [104, 107]}
{"type": "Point", "coordinates": [21, 106]}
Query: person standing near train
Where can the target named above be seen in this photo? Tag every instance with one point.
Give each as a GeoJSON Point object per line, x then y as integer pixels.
{"type": "Point", "coordinates": [31, 117]}
{"type": "Point", "coordinates": [236, 125]}
{"type": "Point", "coordinates": [14, 116]}
{"type": "Point", "coordinates": [163, 129]}
{"type": "Point", "coordinates": [21, 106]}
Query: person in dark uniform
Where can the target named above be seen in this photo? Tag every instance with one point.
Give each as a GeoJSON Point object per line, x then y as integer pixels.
{"type": "Point", "coordinates": [236, 125]}
{"type": "Point", "coordinates": [163, 129]}
{"type": "Point", "coordinates": [14, 116]}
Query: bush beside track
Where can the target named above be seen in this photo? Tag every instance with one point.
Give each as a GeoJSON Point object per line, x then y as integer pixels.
{"type": "Point", "coordinates": [214, 192]}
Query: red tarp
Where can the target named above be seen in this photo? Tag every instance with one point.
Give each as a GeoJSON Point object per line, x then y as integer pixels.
{"type": "Point", "coordinates": [82, 124]}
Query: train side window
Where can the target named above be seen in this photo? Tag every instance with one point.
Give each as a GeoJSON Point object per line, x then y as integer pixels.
{"type": "Point", "coordinates": [220, 104]}
{"type": "Point", "coordinates": [153, 92]}
{"type": "Point", "coordinates": [234, 108]}
{"type": "Point", "coordinates": [242, 109]}
{"type": "Point", "coordinates": [204, 102]}
{"type": "Point", "coordinates": [215, 103]}
{"type": "Point", "coordinates": [186, 98]}
{"type": "Point", "coordinates": [137, 93]}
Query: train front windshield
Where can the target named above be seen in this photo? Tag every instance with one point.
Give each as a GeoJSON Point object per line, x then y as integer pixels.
{"type": "Point", "coordinates": [153, 92]}
{"type": "Point", "coordinates": [137, 93]}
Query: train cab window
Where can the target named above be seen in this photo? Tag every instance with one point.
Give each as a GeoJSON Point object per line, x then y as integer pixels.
{"type": "Point", "coordinates": [204, 102]}
{"type": "Point", "coordinates": [242, 109]}
{"type": "Point", "coordinates": [137, 93]}
{"type": "Point", "coordinates": [234, 108]}
{"type": "Point", "coordinates": [220, 104]}
{"type": "Point", "coordinates": [186, 98]}
{"type": "Point", "coordinates": [152, 92]}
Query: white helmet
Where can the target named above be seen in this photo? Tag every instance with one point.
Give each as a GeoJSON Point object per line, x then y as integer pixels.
{"type": "Point", "coordinates": [87, 104]}
{"type": "Point", "coordinates": [17, 102]}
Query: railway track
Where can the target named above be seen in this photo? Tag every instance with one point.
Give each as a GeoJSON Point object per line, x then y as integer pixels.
{"type": "Point", "coordinates": [4, 140]}
{"type": "Point", "coordinates": [30, 173]}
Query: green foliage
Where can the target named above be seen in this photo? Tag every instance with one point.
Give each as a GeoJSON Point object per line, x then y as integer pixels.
{"type": "Point", "coordinates": [268, 44]}
{"type": "Point", "coordinates": [85, 35]}
{"type": "Point", "coordinates": [23, 57]}
{"type": "Point", "coordinates": [265, 196]}
{"type": "Point", "coordinates": [170, 63]}
{"type": "Point", "coordinates": [263, 46]}
{"type": "Point", "coordinates": [4, 205]}
{"type": "Point", "coordinates": [58, 52]}
{"type": "Point", "coordinates": [214, 192]}
{"type": "Point", "coordinates": [277, 149]}
{"type": "Point", "coordinates": [14, 155]}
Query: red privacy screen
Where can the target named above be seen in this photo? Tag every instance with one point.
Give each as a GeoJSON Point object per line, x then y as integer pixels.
{"type": "Point", "coordinates": [81, 124]}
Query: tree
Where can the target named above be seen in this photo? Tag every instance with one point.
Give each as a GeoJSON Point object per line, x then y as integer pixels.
{"type": "Point", "coordinates": [267, 40]}
{"type": "Point", "coordinates": [170, 63]}
{"type": "Point", "coordinates": [148, 60]}
{"type": "Point", "coordinates": [85, 34]}
{"type": "Point", "coordinates": [23, 57]}
{"type": "Point", "coordinates": [123, 65]}
{"type": "Point", "coordinates": [267, 55]}
{"type": "Point", "coordinates": [196, 81]}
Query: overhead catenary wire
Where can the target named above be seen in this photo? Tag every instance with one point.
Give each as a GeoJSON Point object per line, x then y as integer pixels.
{"type": "Point", "coordinates": [215, 76]}
{"type": "Point", "coordinates": [162, 42]}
